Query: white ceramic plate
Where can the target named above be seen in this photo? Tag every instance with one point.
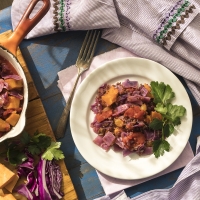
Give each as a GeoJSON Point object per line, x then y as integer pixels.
{"type": "Point", "coordinates": [113, 163]}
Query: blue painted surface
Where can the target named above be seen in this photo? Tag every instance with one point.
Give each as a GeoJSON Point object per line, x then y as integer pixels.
{"type": "Point", "coordinates": [47, 55]}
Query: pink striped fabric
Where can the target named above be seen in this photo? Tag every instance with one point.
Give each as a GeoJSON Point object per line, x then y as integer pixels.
{"type": "Point", "coordinates": [138, 25]}
{"type": "Point", "coordinates": [185, 188]}
{"type": "Point", "coordinates": [68, 15]}
{"type": "Point", "coordinates": [164, 31]}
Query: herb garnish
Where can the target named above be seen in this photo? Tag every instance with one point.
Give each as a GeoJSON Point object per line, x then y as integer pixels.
{"type": "Point", "coordinates": [171, 115]}
{"type": "Point", "coordinates": [53, 151]}
{"type": "Point", "coordinates": [37, 145]}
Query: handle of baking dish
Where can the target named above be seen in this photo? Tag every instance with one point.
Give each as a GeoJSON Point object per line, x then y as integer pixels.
{"type": "Point", "coordinates": [25, 25]}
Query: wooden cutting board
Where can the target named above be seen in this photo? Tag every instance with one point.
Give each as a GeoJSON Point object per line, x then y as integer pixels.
{"type": "Point", "coordinates": [36, 119]}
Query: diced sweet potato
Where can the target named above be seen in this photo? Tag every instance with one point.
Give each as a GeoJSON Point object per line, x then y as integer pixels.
{"type": "Point", "coordinates": [13, 102]}
{"type": "Point", "coordinates": [143, 107]}
{"type": "Point", "coordinates": [148, 119]}
{"type": "Point", "coordinates": [148, 87]}
{"type": "Point", "coordinates": [7, 197]}
{"type": "Point", "coordinates": [156, 115]}
{"type": "Point", "coordinates": [110, 97]}
{"type": "Point", "coordinates": [6, 175]}
{"type": "Point", "coordinates": [13, 119]}
{"type": "Point", "coordinates": [4, 126]}
{"type": "Point", "coordinates": [1, 192]}
{"type": "Point", "coordinates": [14, 84]}
{"type": "Point", "coordinates": [119, 122]}
{"type": "Point", "coordinates": [19, 196]}
{"type": "Point", "coordinates": [117, 131]}
{"type": "Point", "coordinates": [12, 184]}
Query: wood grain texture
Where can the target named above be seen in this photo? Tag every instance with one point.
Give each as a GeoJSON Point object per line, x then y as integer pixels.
{"type": "Point", "coordinates": [5, 3]}
{"type": "Point", "coordinates": [37, 120]}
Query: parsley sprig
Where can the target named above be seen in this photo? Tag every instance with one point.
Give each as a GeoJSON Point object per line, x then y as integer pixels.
{"type": "Point", "coordinates": [53, 151]}
{"type": "Point", "coordinates": [37, 145]}
{"type": "Point", "coordinates": [171, 115]}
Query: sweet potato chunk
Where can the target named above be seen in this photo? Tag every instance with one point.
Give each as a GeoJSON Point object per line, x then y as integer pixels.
{"type": "Point", "coordinates": [119, 122]}
{"type": "Point", "coordinates": [148, 119]}
{"type": "Point", "coordinates": [148, 87]}
{"type": "Point", "coordinates": [7, 197]}
{"type": "Point", "coordinates": [6, 175]}
{"type": "Point", "coordinates": [12, 184]}
{"type": "Point", "coordinates": [110, 97]}
{"type": "Point", "coordinates": [13, 119]}
{"type": "Point", "coordinates": [1, 192]}
{"type": "Point", "coordinates": [156, 115]}
{"type": "Point", "coordinates": [13, 102]}
{"type": "Point", "coordinates": [14, 84]}
{"type": "Point", "coordinates": [4, 126]}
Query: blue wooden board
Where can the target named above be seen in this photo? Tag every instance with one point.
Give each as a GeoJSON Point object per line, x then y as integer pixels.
{"type": "Point", "coordinates": [47, 55]}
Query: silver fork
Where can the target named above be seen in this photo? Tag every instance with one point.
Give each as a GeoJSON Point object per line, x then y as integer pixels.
{"type": "Point", "coordinates": [82, 63]}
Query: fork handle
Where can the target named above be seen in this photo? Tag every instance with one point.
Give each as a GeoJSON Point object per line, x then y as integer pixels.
{"type": "Point", "coordinates": [60, 130]}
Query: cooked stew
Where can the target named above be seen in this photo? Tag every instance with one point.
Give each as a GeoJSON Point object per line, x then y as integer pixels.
{"type": "Point", "coordinates": [11, 96]}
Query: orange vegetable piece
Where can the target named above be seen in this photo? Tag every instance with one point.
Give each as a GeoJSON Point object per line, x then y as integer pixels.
{"type": "Point", "coordinates": [134, 140]}
{"type": "Point", "coordinates": [1, 192]}
{"type": "Point", "coordinates": [148, 119]}
{"type": "Point", "coordinates": [135, 112]}
{"type": "Point", "coordinates": [13, 102]}
{"type": "Point", "coordinates": [7, 197]}
{"type": "Point", "coordinates": [4, 126]}
{"type": "Point", "coordinates": [13, 119]}
{"type": "Point", "coordinates": [110, 97]}
{"type": "Point", "coordinates": [117, 131]}
{"type": "Point", "coordinates": [6, 175]}
{"type": "Point", "coordinates": [10, 186]}
{"type": "Point", "coordinates": [104, 115]}
{"type": "Point", "coordinates": [119, 122]}
{"type": "Point", "coordinates": [143, 107]}
{"type": "Point", "coordinates": [148, 87]}
{"type": "Point", "coordinates": [14, 84]}
{"type": "Point", "coordinates": [156, 115]}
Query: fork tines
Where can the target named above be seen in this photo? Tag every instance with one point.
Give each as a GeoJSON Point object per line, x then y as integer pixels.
{"type": "Point", "coordinates": [89, 45]}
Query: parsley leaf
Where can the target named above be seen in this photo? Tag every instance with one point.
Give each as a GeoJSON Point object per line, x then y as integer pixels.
{"type": "Point", "coordinates": [174, 112]}
{"type": "Point", "coordinates": [171, 115]}
{"type": "Point", "coordinates": [162, 93]}
{"type": "Point", "coordinates": [33, 149]}
{"type": "Point", "coordinates": [53, 152]}
{"type": "Point", "coordinates": [168, 129]}
{"type": "Point", "coordinates": [156, 124]}
{"type": "Point", "coordinates": [35, 145]}
{"type": "Point", "coordinates": [162, 109]}
{"type": "Point", "coordinates": [159, 147]}
{"type": "Point", "coordinates": [25, 138]}
{"type": "Point", "coordinates": [43, 141]}
{"type": "Point", "coordinates": [15, 155]}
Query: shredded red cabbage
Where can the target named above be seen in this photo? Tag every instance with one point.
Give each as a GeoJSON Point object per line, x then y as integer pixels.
{"type": "Point", "coordinates": [43, 180]}
{"type": "Point", "coordinates": [127, 128]}
{"type": "Point", "coordinates": [8, 89]}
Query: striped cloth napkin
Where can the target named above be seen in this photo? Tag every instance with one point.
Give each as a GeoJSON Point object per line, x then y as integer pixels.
{"type": "Point", "coordinates": [185, 188]}
{"type": "Point", "coordinates": [163, 31]}
{"type": "Point", "coordinates": [68, 15]}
